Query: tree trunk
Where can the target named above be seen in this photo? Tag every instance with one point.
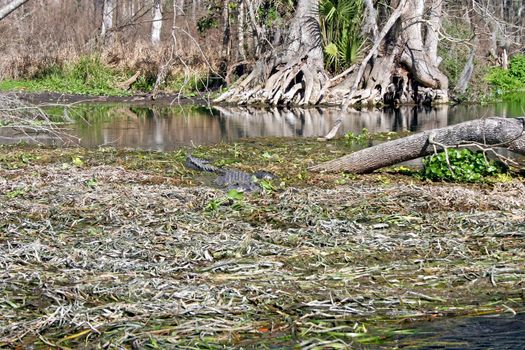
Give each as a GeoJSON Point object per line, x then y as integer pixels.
{"type": "Point", "coordinates": [433, 26]}
{"type": "Point", "coordinates": [156, 25]}
{"type": "Point", "coordinates": [497, 132]}
{"type": "Point", "coordinates": [226, 30]}
{"type": "Point", "coordinates": [107, 17]}
{"type": "Point", "coordinates": [400, 67]}
{"type": "Point", "coordinates": [293, 73]}
{"type": "Point", "coordinates": [241, 32]}
{"type": "Point", "coordinates": [414, 55]}
{"type": "Point", "coordinates": [10, 7]}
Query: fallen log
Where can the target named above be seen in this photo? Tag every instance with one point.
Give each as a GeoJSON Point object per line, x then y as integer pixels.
{"type": "Point", "coordinates": [484, 133]}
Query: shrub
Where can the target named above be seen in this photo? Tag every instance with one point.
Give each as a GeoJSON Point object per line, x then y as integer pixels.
{"type": "Point", "coordinates": [511, 79]}
{"type": "Point", "coordinates": [340, 25]}
{"type": "Point", "coordinates": [465, 166]}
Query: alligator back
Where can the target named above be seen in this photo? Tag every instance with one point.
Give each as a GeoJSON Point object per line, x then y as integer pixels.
{"type": "Point", "coordinates": [239, 180]}
{"type": "Point", "coordinates": [201, 165]}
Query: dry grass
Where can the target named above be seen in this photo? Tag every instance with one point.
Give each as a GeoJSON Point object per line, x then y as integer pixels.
{"type": "Point", "coordinates": [109, 257]}
{"type": "Point", "coordinates": [46, 34]}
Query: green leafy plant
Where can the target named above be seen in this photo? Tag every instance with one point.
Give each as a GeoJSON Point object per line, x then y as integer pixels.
{"type": "Point", "coordinates": [341, 22]}
{"type": "Point", "coordinates": [508, 80]}
{"type": "Point", "coordinates": [362, 138]}
{"type": "Point", "coordinates": [234, 197]}
{"type": "Point", "coordinates": [16, 193]}
{"type": "Point", "coordinates": [88, 75]}
{"type": "Point", "coordinates": [463, 165]}
{"type": "Point", "coordinates": [91, 183]}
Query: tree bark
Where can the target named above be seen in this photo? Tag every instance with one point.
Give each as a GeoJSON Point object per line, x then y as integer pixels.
{"type": "Point", "coordinates": [10, 7]}
{"type": "Point", "coordinates": [466, 73]}
{"type": "Point", "coordinates": [399, 68]}
{"type": "Point", "coordinates": [241, 31]}
{"type": "Point", "coordinates": [433, 26]}
{"type": "Point", "coordinates": [107, 17]}
{"type": "Point", "coordinates": [293, 73]}
{"type": "Point", "coordinates": [226, 31]}
{"type": "Point", "coordinates": [156, 25]}
{"type": "Point", "coordinates": [414, 56]}
{"type": "Point", "coordinates": [496, 132]}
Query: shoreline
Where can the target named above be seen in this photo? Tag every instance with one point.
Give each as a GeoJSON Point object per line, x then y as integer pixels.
{"type": "Point", "coordinates": [138, 99]}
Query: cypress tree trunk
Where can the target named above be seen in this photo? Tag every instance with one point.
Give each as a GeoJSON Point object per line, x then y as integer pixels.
{"type": "Point", "coordinates": [292, 72]}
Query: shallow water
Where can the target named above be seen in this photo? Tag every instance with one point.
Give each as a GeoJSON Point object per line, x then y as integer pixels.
{"type": "Point", "coordinates": [502, 332]}
{"type": "Point", "coordinates": [168, 128]}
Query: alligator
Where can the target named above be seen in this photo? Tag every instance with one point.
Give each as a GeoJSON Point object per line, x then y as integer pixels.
{"type": "Point", "coordinates": [230, 178]}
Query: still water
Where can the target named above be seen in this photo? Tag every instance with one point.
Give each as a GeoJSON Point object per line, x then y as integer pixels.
{"type": "Point", "coordinates": [168, 128]}
{"type": "Point", "coordinates": [501, 332]}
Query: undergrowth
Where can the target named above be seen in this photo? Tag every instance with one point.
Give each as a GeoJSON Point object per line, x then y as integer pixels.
{"type": "Point", "coordinates": [87, 76]}
{"type": "Point", "coordinates": [508, 80]}
{"type": "Point", "coordinates": [91, 76]}
{"type": "Point", "coordinates": [463, 166]}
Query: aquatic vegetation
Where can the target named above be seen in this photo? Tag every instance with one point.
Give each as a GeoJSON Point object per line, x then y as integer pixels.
{"type": "Point", "coordinates": [462, 165]}
{"type": "Point", "coordinates": [137, 249]}
{"type": "Point", "coordinates": [361, 138]}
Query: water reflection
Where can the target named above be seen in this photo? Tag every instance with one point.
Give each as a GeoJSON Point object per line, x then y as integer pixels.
{"type": "Point", "coordinates": [484, 332]}
{"type": "Point", "coordinates": [167, 128]}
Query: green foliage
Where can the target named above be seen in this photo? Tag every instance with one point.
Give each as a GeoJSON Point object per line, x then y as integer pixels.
{"type": "Point", "coordinates": [144, 83]}
{"type": "Point", "coordinates": [234, 198]}
{"type": "Point", "coordinates": [207, 22]}
{"type": "Point", "coordinates": [341, 22]}
{"type": "Point", "coordinates": [361, 138]}
{"type": "Point", "coordinates": [192, 84]}
{"type": "Point", "coordinates": [87, 76]}
{"type": "Point", "coordinates": [465, 166]}
{"type": "Point", "coordinates": [266, 185]}
{"type": "Point", "coordinates": [272, 13]}
{"type": "Point", "coordinates": [91, 183]}
{"type": "Point", "coordinates": [508, 80]}
{"type": "Point", "coordinates": [18, 192]}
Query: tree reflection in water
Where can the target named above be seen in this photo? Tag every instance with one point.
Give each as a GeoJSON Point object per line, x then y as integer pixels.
{"type": "Point", "coordinates": [168, 128]}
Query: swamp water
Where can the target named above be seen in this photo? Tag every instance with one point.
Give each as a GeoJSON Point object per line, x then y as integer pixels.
{"type": "Point", "coordinates": [168, 128]}
{"type": "Point", "coordinates": [501, 332]}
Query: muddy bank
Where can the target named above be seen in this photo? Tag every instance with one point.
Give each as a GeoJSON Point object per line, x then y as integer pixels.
{"type": "Point", "coordinates": [139, 99]}
{"type": "Point", "coordinates": [117, 253]}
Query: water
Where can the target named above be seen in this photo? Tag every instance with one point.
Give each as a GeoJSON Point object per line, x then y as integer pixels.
{"type": "Point", "coordinates": [502, 332]}
{"type": "Point", "coordinates": [169, 128]}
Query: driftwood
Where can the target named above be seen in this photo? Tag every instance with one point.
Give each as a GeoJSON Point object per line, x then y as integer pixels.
{"type": "Point", "coordinates": [125, 85]}
{"type": "Point", "coordinates": [482, 133]}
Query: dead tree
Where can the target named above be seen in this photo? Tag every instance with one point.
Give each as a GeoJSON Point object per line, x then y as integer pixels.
{"type": "Point", "coordinates": [486, 134]}
{"type": "Point", "coordinates": [107, 17]}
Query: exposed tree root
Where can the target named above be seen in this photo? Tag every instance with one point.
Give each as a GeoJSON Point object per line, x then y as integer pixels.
{"type": "Point", "coordinates": [290, 74]}
{"type": "Point", "coordinates": [399, 67]}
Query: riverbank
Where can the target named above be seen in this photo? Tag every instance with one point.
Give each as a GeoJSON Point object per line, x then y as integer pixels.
{"type": "Point", "coordinates": [162, 99]}
{"type": "Point", "coordinates": [129, 248]}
